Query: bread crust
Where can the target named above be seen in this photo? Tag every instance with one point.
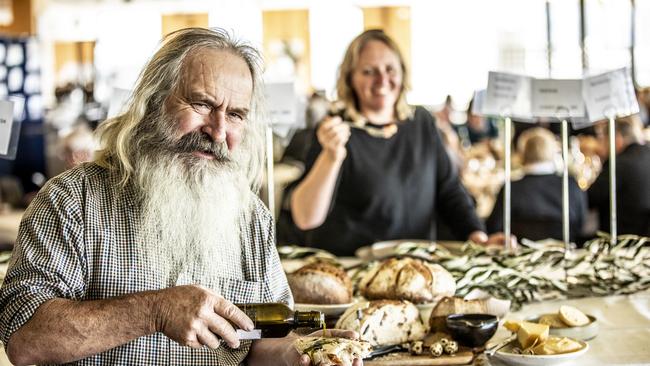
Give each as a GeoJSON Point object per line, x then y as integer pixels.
{"type": "Point", "coordinates": [384, 322]}
{"type": "Point", "coordinates": [407, 279]}
{"type": "Point", "coordinates": [320, 283]}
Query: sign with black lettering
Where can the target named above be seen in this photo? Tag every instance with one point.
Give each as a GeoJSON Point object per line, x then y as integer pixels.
{"type": "Point", "coordinates": [610, 95]}
{"type": "Point", "coordinates": [6, 123]}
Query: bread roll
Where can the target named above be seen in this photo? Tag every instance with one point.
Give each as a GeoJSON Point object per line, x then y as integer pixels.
{"type": "Point", "coordinates": [407, 279]}
{"type": "Point", "coordinates": [454, 305]}
{"type": "Point", "coordinates": [384, 322]}
{"type": "Point", "coordinates": [320, 283]}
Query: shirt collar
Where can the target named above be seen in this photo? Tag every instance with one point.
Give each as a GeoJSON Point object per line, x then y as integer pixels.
{"type": "Point", "coordinates": [541, 168]}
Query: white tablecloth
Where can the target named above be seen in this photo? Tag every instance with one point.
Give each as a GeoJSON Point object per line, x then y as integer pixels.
{"type": "Point", "coordinates": [624, 336]}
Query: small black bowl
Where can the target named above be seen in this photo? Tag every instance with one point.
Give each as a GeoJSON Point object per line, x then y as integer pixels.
{"type": "Point", "coordinates": [472, 330]}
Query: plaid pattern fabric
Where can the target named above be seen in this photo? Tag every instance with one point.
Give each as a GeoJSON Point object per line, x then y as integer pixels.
{"type": "Point", "coordinates": [76, 242]}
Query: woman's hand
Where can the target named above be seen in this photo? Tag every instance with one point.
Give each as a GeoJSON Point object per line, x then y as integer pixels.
{"type": "Point", "coordinates": [332, 135]}
{"type": "Point", "coordinates": [499, 238]}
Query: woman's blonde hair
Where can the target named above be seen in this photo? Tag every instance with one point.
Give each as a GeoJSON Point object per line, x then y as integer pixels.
{"type": "Point", "coordinates": [344, 89]}
{"type": "Point", "coordinates": [158, 80]}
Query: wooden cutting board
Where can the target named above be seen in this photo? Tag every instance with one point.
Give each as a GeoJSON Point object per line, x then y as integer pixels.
{"type": "Point", "coordinates": [463, 357]}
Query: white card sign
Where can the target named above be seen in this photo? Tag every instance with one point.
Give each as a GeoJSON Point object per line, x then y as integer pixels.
{"type": "Point", "coordinates": [508, 94]}
{"type": "Point", "coordinates": [557, 98]}
{"type": "Point", "coordinates": [281, 103]}
{"type": "Point", "coordinates": [117, 102]}
{"type": "Point", "coordinates": [526, 97]}
{"type": "Point", "coordinates": [6, 123]}
{"type": "Point", "coordinates": [611, 92]}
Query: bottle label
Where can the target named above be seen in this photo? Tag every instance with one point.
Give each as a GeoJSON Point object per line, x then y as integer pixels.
{"type": "Point", "coordinates": [253, 334]}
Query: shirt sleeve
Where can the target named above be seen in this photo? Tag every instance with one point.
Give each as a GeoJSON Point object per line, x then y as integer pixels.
{"type": "Point", "coordinates": [276, 279]}
{"type": "Point", "coordinates": [47, 261]}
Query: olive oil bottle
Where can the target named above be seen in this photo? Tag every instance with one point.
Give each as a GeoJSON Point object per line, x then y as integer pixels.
{"type": "Point", "coordinates": [276, 320]}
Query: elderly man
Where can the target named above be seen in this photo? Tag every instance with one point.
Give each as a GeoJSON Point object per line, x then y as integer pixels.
{"type": "Point", "coordinates": [632, 179]}
{"type": "Point", "coordinates": [138, 257]}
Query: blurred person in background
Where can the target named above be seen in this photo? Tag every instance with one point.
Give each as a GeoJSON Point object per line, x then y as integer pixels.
{"type": "Point", "coordinates": [477, 129]}
{"type": "Point", "coordinates": [378, 170]}
{"type": "Point", "coordinates": [536, 199]}
{"type": "Point", "coordinates": [296, 154]}
{"type": "Point", "coordinates": [643, 97]}
{"type": "Point", "coordinates": [78, 146]}
{"type": "Point", "coordinates": [632, 179]}
{"type": "Point", "coordinates": [138, 257]}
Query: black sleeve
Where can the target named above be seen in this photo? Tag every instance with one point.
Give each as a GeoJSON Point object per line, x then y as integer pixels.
{"type": "Point", "coordinates": [494, 223]}
{"type": "Point", "coordinates": [598, 193]}
{"type": "Point", "coordinates": [580, 206]}
{"type": "Point", "coordinates": [452, 200]}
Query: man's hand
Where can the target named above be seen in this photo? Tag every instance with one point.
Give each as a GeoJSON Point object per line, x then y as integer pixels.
{"type": "Point", "coordinates": [332, 135]}
{"type": "Point", "coordinates": [194, 316]}
{"type": "Point", "coordinates": [287, 355]}
{"type": "Point", "coordinates": [333, 333]}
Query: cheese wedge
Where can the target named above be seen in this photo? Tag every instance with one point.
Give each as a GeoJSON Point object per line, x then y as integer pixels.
{"type": "Point", "coordinates": [511, 325]}
{"type": "Point", "coordinates": [530, 334]}
{"type": "Point", "coordinates": [552, 320]}
{"type": "Point", "coordinates": [572, 316]}
{"type": "Point", "coordinates": [557, 345]}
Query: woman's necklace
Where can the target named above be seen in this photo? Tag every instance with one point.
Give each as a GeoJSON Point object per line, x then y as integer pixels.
{"type": "Point", "coordinates": [381, 131]}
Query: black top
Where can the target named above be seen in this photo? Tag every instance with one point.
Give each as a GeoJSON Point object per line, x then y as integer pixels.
{"type": "Point", "coordinates": [536, 208]}
{"type": "Point", "coordinates": [632, 192]}
{"type": "Point", "coordinates": [392, 189]}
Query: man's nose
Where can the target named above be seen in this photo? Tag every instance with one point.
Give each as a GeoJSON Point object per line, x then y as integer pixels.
{"type": "Point", "coordinates": [216, 126]}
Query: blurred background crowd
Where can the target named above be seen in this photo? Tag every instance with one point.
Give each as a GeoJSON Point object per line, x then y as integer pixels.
{"type": "Point", "coordinates": [72, 64]}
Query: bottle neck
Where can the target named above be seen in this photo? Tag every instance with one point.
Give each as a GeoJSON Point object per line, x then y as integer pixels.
{"type": "Point", "coordinates": [309, 319]}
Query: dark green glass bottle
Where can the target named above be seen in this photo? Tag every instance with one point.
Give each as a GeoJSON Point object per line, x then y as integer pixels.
{"type": "Point", "coordinates": [276, 320]}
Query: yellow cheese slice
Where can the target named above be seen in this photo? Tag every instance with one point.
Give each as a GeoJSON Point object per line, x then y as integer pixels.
{"type": "Point", "coordinates": [530, 334]}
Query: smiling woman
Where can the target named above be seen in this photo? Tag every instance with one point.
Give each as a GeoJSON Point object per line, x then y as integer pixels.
{"type": "Point", "coordinates": [363, 187]}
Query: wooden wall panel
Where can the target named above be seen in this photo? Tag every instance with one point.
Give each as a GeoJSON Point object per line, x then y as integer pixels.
{"type": "Point", "coordinates": [174, 22]}
{"type": "Point", "coordinates": [285, 27]}
{"type": "Point", "coordinates": [396, 22]}
{"type": "Point", "coordinates": [23, 20]}
{"type": "Point", "coordinates": [73, 52]}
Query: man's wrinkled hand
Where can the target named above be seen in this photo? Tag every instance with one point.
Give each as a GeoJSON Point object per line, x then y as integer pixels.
{"type": "Point", "coordinates": [195, 316]}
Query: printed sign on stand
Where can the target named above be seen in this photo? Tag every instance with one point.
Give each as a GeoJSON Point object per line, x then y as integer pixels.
{"type": "Point", "coordinates": [11, 114]}
{"type": "Point", "coordinates": [281, 103]}
{"type": "Point", "coordinates": [557, 98]}
{"type": "Point", "coordinates": [6, 123]}
{"type": "Point", "coordinates": [526, 98]}
{"type": "Point", "coordinates": [610, 93]}
{"type": "Point", "coordinates": [508, 94]}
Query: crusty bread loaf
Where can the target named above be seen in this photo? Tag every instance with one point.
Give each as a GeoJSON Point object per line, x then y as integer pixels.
{"type": "Point", "coordinates": [384, 322]}
{"type": "Point", "coordinates": [320, 283]}
{"type": "Point", "coordinates": [454, 305]}
{"type": "Point", "coordinates": [407, 279]}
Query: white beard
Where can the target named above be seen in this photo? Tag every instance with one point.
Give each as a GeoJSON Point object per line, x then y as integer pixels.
{"type": "Point", "coordinates": [192, 214]}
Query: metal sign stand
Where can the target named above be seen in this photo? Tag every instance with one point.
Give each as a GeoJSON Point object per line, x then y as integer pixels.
{"type": "Point", "coordinates": [506, 183]}
{"type": "Point", "coordinates": [562, 113]}
{"type": "Point", "coordinates": [270, 183]}
{"type": "Point", "coordinates": [612, 177]}
{"type": "Point", "coordinates": [565, 183]}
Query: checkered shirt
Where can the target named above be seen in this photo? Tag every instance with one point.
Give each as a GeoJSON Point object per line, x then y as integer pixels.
{"type": "Point", "coordinates": [76, 242]}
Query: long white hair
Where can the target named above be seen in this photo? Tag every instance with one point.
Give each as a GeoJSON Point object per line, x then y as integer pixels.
{"type": "Point", "coordinates": [118, 137]}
